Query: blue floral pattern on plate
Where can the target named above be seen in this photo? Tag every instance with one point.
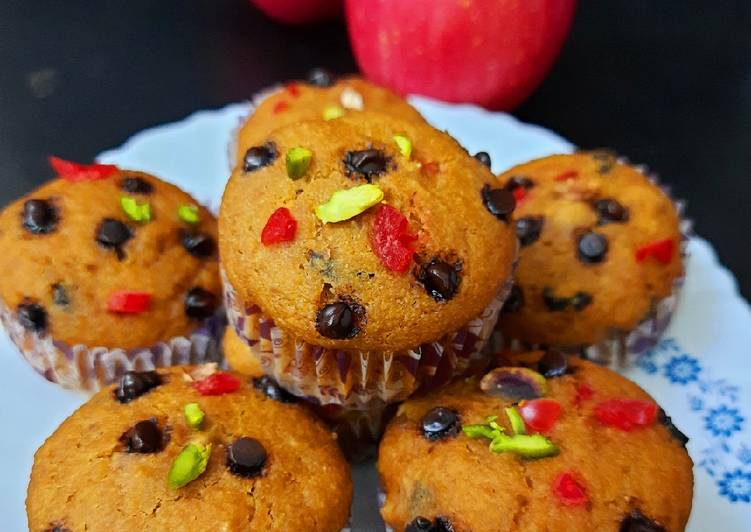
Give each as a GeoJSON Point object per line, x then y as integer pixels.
{"type": "Point", "coordinates": [716, 401]}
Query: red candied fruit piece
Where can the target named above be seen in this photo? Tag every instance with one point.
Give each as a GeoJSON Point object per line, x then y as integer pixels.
{"type": "Point", "coordinates": [280, 227]}
{"type": "Point", "coordinates": [569, 490]}
{"type": "Point", "coordinates": [125, 302]}
{"type": "Point", "coordinates": [662, 250]}
{"type": "Point", "coordinates": [280, 106]}
{"type": "Point", "coordinates": [217, 384]}
{"type": "Point", "coordinates": [520, 194]}
{"type": "Point", "coordinates": [540, 415]}
{"type": "Point", "coordinates": [565, 176]}
{"type": "Point", "coordinates": [391, 242]}
{"type": "Point", "coordinates": [584, 392]}
{"type": "Point", "coordinates": [430, 168]}
{"type": "Point", "coordinates": [626, 414]}
{"type": "Point", "coordinates": [293, 89]}
{"type": "Point", "coordinates": [75, 172]}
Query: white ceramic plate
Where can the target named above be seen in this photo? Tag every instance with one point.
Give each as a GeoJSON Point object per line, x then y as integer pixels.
{"type": "Point", "coordinates": [699, 373]}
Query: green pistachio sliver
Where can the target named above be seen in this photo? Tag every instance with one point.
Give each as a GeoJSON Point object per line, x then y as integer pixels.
{"type": "Point", "coordinates": [348, 203]}
{"type": "Point", "coordinates": [332, 112]}
{"type": "Point", "coordinates": [138, 212]}
{"type": "Point", "coordinates": [404, 145]}
{"type": "Point", "coordinates": [193, 415]}
{"type": "Point", "coordinates": [479, 431]}
{"type": "Point", "coordinates": [298, 161]}
{"type": "Point", "coordinates": [517, 422]}
{"type": "Point", "coordinates": [529, 446]}
{"type": "Point", "coordinates": [189, 465]}
{"type": "Point", "coordinates": [188, 214]}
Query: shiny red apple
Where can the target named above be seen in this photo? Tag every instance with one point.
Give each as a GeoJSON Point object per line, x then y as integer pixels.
{"type": "Point", "coordinates": [490, 52]}
{"type": "Point", "coordinates": [300, 11]}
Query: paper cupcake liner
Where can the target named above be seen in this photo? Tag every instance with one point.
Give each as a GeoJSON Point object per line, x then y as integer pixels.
{"type": "Point", "coordinates": [361, 379]}
{"type": "Point", "coordinates": [91, 368]}
{"type": "Point", "coordinates": [623, 348]}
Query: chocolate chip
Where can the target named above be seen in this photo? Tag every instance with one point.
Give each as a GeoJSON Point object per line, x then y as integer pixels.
{"type": "Point", "coordinates": [609, 210]}
{"type": "Point", "coordinates": [199, 303]}
{"type": "Point", "coordinates": [500, 202]}
{"type": "Point", "coordinates": [39, 216]}
{"type": "Point", "coordinates": [246, 457]}
{"type": "Point", "coordinates": [592, 248]}
{"type": "Point", "coordinates": [528, 229]}
{"type": "Point", "coordinates": [483, 157]}
{"type": "Point", "coordinates": [60, 295]}
{"type": "Point", "coordinates": [423, 524]}
{"type": "Point", "coordinates": [136, 185]}
{"type": "Point", "coordinates": [320, 77]}
{"type": "Point", "coordinates": [32, 316]}
{"type": "Point", "coordinates": [134, 384]}
{"type": "Point", "coordinates": [514, 301]}
{"type": "Point", "coordinates": [638, 522]}
{"type": "Point", "coordinates": [580, 301]}
{"type": "Point", "coordinates": [271, 389]}
{"type": "Point", "coordinates": [112, 234]}
{"type": "Point", "coordinates": [553, 363]}
{"type": "Point", "coordinates": [366, 163]}
{"type": "Point", "coordinates": [337, 321]}
{"type": "Point", "coordinates": [554, 303]}
{"type": "Point", "coordinates": [144, 437]}
{"type": "Point", "coordinates": [440, 279]}
{"type": "Point", "coordinates": [442, 524]}
{"type": "Point", "coordinates": [56, 527]}
{"type": "Point", "coordinates": [199, 245]}
{"type": "Point", "coordinates": [440, 422]}
{"type": "Point", "coordinates": [606, 160]}
{"type": "Point", "coordinates": [259, 156]}
{"type": "Point", "coordinates": [419, 524]}
{"type": "Point", "coordinates": [665, 420]}
{"type": "Point", "coordinates": [519, 181]}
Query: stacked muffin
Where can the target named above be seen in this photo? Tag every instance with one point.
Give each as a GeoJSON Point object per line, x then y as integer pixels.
{"type": "Point", "coordinates": [365, 256]}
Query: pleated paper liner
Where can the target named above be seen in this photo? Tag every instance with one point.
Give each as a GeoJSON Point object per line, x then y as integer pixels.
{"type": "Point", "coordinates": [359, 379]}
{"type": "Point", "coordinates": [91, 368]}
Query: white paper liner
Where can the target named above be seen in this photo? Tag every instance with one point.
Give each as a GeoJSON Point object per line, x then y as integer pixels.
{"type": "Point", "coordinates": [623, 348]}
{"type": "Point", "coordinates": [358, 379]}
{"type": "Point", "coordinates": [91, 368]}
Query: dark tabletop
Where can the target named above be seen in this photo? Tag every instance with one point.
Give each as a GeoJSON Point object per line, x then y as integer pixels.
{"type": "Point", "coordinates": [667, 83]}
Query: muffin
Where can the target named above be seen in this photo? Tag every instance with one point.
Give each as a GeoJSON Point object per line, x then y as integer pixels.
{"type": "Point", "coordinates": [555, 445]}
{"type": "Point", "coordinates": [107, 270]}
{"type": "Point", "coordinates": [321, 97]}
{"type": "Point", "coordinates": [188, 449]}
{"type": "Point", "coordinates": [361, 257]}
{"type": "Point", "coordinates": [600, 259]}
{"type": "Point", "coordinates": [357, 431]}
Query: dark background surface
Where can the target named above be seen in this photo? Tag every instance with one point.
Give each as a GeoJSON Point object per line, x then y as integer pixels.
{"type": "Point", "coordinates": [668, 83]}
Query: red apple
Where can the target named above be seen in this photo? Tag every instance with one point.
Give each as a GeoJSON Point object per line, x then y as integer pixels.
{"type": "Point", "coordinates": [300, 11]}
{"type": "Point", "coordinates": [490, 52]}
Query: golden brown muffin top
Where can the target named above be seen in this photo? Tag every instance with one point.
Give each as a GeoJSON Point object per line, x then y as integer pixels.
{"type": "Point", "coordinates": [601, 478]}
{"type": "Point", "coordinates": [104, 470]}
{"type": "Point", "coordinates": [460, 253]}
{"type": "Point", "coordinates": [69, 247]}
{"type": "Point", "coordinates": [600, 245]}
{"type": "Point", "coordinates": [300, 101]}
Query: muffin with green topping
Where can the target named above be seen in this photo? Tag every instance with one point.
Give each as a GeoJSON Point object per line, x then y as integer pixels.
{"type": "Point", "coordinates": [601, 256]}
{"type": "Point", "coordinates": [551, 443]}
{"type": "Point", "coordinates": [107, 270]}
{"type": "Point", "coordinates": [172, 450]}
{"type": "Point", "coordinates": [320, 97]}
{"type": "Point", "coordinates": [361, 257]}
